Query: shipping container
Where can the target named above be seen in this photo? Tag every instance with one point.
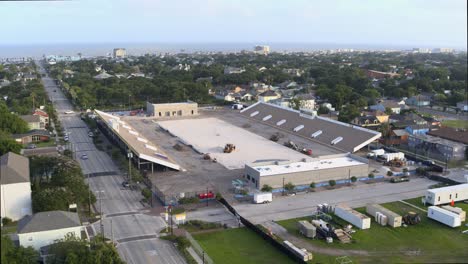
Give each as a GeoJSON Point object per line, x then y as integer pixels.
{"type": "Point", "coordinates": [307, 229]}
{"type": "Point", "coordinates": [447, 194]}
{"type": "Point", "coordinates": [393, 219]}
{"type": "Point", "coordinates": [443, 216]}
{"type": "Point", "coordinates": [456, 210]}
{"type": "Point", "coordinates": [306, 256]}
{"type": "Point", "coordinates": [352, 216]}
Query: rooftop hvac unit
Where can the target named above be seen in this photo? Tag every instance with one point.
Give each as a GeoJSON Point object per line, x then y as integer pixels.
{"type": "Point", "coordinates": [316, 133]}
{"type": "Point", "coordinates": [266, 117]}
{"type": "Point", "coordinates": [254, 114]}
{"type": "Point", "coordinates": [281, 122]}
{"type": "Point", "coordinates": [336, 140]}
{"type": "Point", "coordinates": [298, 128]}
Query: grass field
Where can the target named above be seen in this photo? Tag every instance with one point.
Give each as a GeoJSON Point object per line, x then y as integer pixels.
{"type": "Point", "coordinates": [455, 123]}
{"type": "Point", "coordinates": [428, 241]}
{"type": "Point", "coordinates": [240, 246]}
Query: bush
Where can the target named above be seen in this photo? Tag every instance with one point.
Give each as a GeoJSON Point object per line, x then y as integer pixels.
{"type": "Point", "coordinates": [146, 192]}
{"type": "Point", "coordinates": [178, 210]}
{"type": "Point", "coordinates": [289, 186]}
{"type": "Point", "coordinates": [189, 200]}
{"type": "Point", "coordinates": [6, 221]}
{"type": "Point", "coordinates": [389, 173]}
{"type": "Point", "coordinates": [421, 171]}
{"type": "Point", "coordinates": [332, 183]}
{"type": "Point", "coordinates": [266, 188]}
{"type": "Point", "coordinates": [353, 179]}
{"type": "Point", "coordinates": [312, 185]}
{"type": "Point", "coordinates": [182, 243]}
{"type": "Point", "coordinates": [405, 170]}
{"type": "Point", "coordinates": [371, 175]}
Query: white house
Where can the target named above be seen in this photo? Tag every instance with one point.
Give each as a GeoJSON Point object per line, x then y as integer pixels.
{"type": "Point", "coordinates": [15, 186]}
{"type": "Point", "coordinates": [45, 228]}
{"type": "Point", "coordinates": [307, 102]}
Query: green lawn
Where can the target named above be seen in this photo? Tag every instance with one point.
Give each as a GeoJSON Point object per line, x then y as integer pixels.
{"type": "Point", "coordinates": [455, 123]}
{"type": "Point", "coordinates": [240, 246]}
{"type": "Point", "coordinates": [434, 241]}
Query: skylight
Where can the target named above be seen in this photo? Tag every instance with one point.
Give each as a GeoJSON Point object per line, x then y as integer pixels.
{"type": "Point", "coordinates": [281, 122]}
{"type": "Point", "coordinates": [266, 117]}
{"type": "Point", "coordinates": [298, 128]}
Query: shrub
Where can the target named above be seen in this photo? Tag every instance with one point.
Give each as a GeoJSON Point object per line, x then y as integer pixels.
{"type": "Point", "coordinates": [332, 183]}
{"type": "Point", "coordinates": [6, 221]}
{"type": "Point", "coordinates": [189, 200]}
{"type": "Point", "coordinates": [389, 173]}
{"type": "Point", "coordinates": [405, 170]}
{"type": "Point", "coordinates": [266, 188]}
{"type": "Point", "coordinates": [182, 242]}
{"type": "Point", "coordinates": [421, 171]}
{"type": "Point", "coordinates": [312, 185]}
{"type": "Point", "coordinates": [289, 186]}
{"type": "Point", "coordinates": [146, 192]}
{"type": "Point", "coordinates": [353, 179]}
{"type": "Point", "coordinates": [178, 210]}
{"type": "Point", "coordinates": [371, 175]}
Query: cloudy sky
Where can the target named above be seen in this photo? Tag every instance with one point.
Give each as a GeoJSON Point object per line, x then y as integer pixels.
{"type": "Point", "coordinates": [434, 23]}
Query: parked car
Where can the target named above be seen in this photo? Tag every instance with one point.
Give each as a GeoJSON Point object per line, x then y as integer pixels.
{"type": "Point", "coordinates": [125, 184]}
{"type": "Point", "coordinates": [65, 138]}
{"type": "Point", "coordinates": [90, 134]}
{"type": "Point", "coordinates": [400, 179]}
{"type": "Point", "coordinates": [31, 146]}
{"type": "Point", "coordinates": [84, 157]}
{"type": "Point", "coordinates": [69, 112]}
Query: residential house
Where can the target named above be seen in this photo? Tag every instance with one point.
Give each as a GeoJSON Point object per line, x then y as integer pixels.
{"type": "Point", "coordinates": [32, 136]}
{"type": "Point", "coordinates": [102, 76]}
{"type": "Point", "coordinates": [294, 72]}
{"type": "Point", "coordinates": [419, 100]}
{"type": "Point", "coordinates": [29, 77]}
{"type": "Point", "coordinates": [307, 102]}
{"type": "Point", "coordinates": [396, 137]}
{"type": "Point", "coordinates": [381, 116]}
{"type": "Point", "coordinates": [4, 82]}
{"type": "Point", "coordinates": [46, 228]}
{"type": "Point", "coordinates": [15, 186]}
{"type": "Point", "coordinates": [366, 121]}
{"type": "Point", "coordinates": [394, 106]}
{"type": "Point", "coordinates": [417, 129]}
{"type": "Point", "coordinates": [463, 105]}
{"type": "Point", "coordinates": [33, 121]}
{"type": "Point", "coordinates": [43, 116]}
{"type": "Point", "coordinates": [267, 96]}
{"type": "Point", "coordinates": [233, 70]}
{"type": "Point", "coordinates": [432, 122]}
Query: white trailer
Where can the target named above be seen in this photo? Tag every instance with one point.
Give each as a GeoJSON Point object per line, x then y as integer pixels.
{"type": "Point", "coordinates": [444, 216]}
{"type": "Point", "coordinates": [456, 210]}
{"type": "Point", "coordinates": [263, 198]}
{"type": "Point", "coordinates": [352, 216]}
{"type": "Point", "coordinates": [376, 152]}
{"type": "Point", "coordinates": [447, 194]}
{"type": "Point", "coordinates": [391, 156]}
{"type": "Point", "coordinates": [393, 219]}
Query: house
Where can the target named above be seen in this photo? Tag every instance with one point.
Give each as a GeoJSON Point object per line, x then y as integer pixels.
{"type": "Point", "coordinates": [419, 100]}
{"type": "Point", "coordinates": [267, 96]}
{"type": "Point", "coordinates": [380, 75]}
{"type": "Point", "coordinates": [45, 228]}
{"type": "Point", "coordinates": [394, 106]}
{"type": "Point", "coordinates": [15, 186]}
{"type": "Point", "coordinates": [381, 116]}
{"type": "Point", "coordinates": [463, 105]}
{"type": "Point", "coordinates": [294, 72]}
{"type": "Point", "coordinates": [4, 82]}
{"type": "Point", "coordinates": [34, 121]}
{"type": "Point", "coordinates": [43, 116]}
{"type": "Point", "coordinates": [307, 102]}
{"type": "Point", "coordinates": [396, 137]}
{"type": "Point", "coordinates": [32, 136]}
{"type": "Point", "coordinates": [102, 76]}
{"type": "Point", "coordinates": [417, 129]}
{"type": "Point", "coordinates": [366, 121]}
{"type": "Point", "coordinates": [29, 77]}
{"type": "Point", "coordinates": [233, 70]}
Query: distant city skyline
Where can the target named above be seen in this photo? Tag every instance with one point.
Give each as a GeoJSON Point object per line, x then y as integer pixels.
{"type": "Point", "coordinates": [416, 23]}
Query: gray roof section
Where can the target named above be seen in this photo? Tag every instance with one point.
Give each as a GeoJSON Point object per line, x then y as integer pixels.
{"type": "Point", "coordinates": [45, 221]}
{"type": "Point", "coordinates": [31, 118]}
{"type": "Point", "coordinates": [14, 168]}
{"type": "Point", "coordinates": [354, 137]}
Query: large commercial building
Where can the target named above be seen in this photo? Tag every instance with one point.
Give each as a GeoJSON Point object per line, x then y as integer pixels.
{"type": "Point", "coordinates": [143, 152]}
{"type": "Point", "coordinates": [328, 132]}
{"type": "Point", "coordinates": [172, 109]}
{"type": "Point", "coordinates": [262, 49]}
{"type": "Point", "coordinates": [119, 53]}
{"type": "Point", "coordinates": [322, 169]}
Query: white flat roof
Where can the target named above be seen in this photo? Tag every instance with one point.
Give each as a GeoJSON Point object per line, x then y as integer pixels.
{"type": "Point", "coordinates": [463, 186]}
{"type": "Point", "coordinates": [315, 164]}
{"type": "Point", "coordinates": [139, 145]}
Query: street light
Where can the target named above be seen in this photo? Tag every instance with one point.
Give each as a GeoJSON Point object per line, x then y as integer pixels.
{"type": "Point", "coordinates": [130, 156]}
{"type": "Point", "coordinates": [100, 212]}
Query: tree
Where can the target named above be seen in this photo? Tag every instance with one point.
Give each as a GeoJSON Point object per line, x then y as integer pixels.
{"type": "Point", "coordinates": [389, 173]}
{"type": "Point", "coordinates": [17, 255]}
{"type": "Point", "coordinates": [353, 179]}
{"type": "Point", "coordinates": [11, 123]}
{"type": "Point", "coordinates": [266, 188]}
{"type": "Point", "coordinates": [371, 175]}
{"type": "Point", "coordinates": [332, 183]}
{"type": "Point", "coordinates": [349, 113]}
{"type": "Point", "coordinates": [295, 103]}
{"type": "Point", "coordinates": [312, 185]}
{"type": "Point", "coordinates": [289, 187]}
{"type": "Point", "coordinates": [8, 144]}
{"type": "Point", "coordinates": [388, 111]}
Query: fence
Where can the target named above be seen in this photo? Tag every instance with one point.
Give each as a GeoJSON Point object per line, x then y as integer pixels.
{"type": "Point", "coordinates": [260, 232]}
{"type": "Point", "coordinates": [197, 248]}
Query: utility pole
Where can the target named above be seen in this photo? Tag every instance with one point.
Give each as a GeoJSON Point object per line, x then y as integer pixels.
{"type": "Point", "coordinates": [283, 188]}
{"type": "Point", "coordinates": [130, 156]}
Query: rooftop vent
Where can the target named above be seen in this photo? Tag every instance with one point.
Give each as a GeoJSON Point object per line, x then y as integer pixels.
{"type": "Point", "coordinates": [281, 122]}
{"type": "Point", "coordinates": [266, 117]}
{"type": "Point", "coordinates": [254, 114]}
{"type": "Point", "coordinates": [336, 140]}
{"type": "Point", "coordinates": [316, 133]}
{"type": "Point", "coordinates": [298, 128]}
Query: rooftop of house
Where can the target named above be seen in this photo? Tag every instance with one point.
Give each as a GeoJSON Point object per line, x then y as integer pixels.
{"type": "Point", "coordinates": [14, 168]}
{"type": "Point", "coordinates": [31, 118]}
{"type": "Point", "coordinates": [33, 132]}
{"type": "Point", "coordinates": [268, 93]}
{"type": "Point", "coordinates": [458, 135]}
{"type": "Point", "coordinates": [50, 220]}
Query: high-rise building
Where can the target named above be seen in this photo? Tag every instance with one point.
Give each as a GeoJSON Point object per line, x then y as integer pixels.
{"type": "Point", "coordinates": [119, 53]}
{"type": "Point", "coordinates": [443, 50]}
{"type": "Point", "coordinates": [262, 49]}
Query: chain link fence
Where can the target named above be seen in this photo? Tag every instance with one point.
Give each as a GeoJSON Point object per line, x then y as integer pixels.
{"type": "Point", "coordinates": [198, 249]}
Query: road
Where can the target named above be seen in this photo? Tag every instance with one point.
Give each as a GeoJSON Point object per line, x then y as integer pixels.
{"type": "Point", "coordinates": [124, 218]}
{"type": "Point", "coordinates": [357, 196]}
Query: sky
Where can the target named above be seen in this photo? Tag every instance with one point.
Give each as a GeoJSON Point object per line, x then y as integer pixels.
{"type": "Point", "coordinates": [418, 23]}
